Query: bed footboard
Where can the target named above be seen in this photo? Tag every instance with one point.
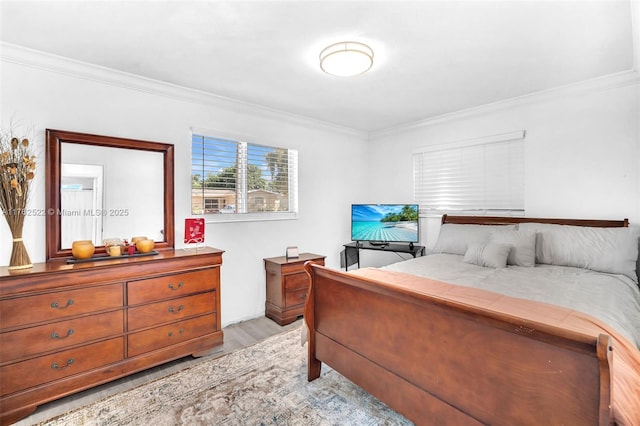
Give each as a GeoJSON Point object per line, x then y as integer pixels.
{"type": "Point", "coordinates": [441, 362]}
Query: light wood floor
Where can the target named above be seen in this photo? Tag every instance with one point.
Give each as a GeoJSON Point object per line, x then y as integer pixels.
{"type": "Point", "coordinates": [236, 336]}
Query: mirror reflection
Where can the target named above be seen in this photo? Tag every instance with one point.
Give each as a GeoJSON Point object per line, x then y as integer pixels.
{"type": "Point", "coordinates": [109, 192]}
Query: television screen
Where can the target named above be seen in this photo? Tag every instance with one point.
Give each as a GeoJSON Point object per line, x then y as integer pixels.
{"type": "Point", "coordinates": [385, 223]}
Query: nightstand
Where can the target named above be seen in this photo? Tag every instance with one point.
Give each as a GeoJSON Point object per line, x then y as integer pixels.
{"type": "Point", "coordinates": [287, 286]}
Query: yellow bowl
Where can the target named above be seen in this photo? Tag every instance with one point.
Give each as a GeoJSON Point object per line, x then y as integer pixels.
{"type": "Point", "coordinates": [144, 246]}
{"type": "Point", "coordinates": [82, 249]}
{"type": "Point", "coordinates": [136, 239]}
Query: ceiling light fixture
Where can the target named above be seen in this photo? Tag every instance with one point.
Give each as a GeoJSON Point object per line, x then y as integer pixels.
{"type": "Point", "coordinates": [346, 59]}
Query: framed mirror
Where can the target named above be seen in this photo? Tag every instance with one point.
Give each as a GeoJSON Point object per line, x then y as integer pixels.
{"type": "Point", "coordinates": [101, 187]}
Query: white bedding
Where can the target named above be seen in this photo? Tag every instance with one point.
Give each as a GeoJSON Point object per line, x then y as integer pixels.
{"type": "Point", "coordinates": [611, 298]}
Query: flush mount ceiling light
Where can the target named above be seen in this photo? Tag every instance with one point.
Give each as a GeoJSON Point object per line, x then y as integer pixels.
{"type": "Point", "coordinates": [346, 59]}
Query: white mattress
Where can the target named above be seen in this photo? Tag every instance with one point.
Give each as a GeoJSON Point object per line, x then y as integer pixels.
{"type": "Point", "coordinates": [613, 299]}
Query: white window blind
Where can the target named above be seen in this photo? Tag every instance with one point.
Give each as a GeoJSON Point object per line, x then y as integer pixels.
{"type": "Point", "coordinates": [485, 174]}
{"type": "Point", "coordinates": [242, 179]}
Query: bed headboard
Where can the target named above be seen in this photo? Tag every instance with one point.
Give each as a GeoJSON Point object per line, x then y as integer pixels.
{"type": "Point", "coordinates": [499, 220]}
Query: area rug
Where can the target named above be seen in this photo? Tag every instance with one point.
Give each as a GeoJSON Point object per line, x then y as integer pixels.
{"type": "Point", "coordinates": [264, 384]}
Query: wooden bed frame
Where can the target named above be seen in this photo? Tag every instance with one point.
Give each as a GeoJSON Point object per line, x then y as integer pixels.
{"type": "Point", "coordinates": [440, 362]}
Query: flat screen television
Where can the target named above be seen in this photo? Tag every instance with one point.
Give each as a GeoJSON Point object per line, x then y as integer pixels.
{"type": "Point", "coordinates": [385, 223]}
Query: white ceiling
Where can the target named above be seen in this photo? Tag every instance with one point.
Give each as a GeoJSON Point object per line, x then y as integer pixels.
{"type": "Point", "coordinates": [431, 57]}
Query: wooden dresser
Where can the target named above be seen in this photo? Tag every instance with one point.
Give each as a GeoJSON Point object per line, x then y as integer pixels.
{"type": "Point", "coordinates": [287, 286]}
{"type": "Point", "coordinates": [69, 327]}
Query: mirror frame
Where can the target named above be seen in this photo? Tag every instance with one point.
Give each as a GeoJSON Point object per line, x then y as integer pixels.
{"type": "Point", "coordinates": [54, 139]}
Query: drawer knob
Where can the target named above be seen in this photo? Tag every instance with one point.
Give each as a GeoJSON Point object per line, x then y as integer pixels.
{"type": "Point", "coordinates": [55, 334]}
{"type": "Point", "coordinates": [179, 331]}
{"type": "Point", "coordinates": [172, 287]}
{"type": "Point", "coordinates": [55, 305]}
{"type": "Point", "coordinates": [175, 311]}
{"type": "Point", "coordinates": [55, 365]}
{"type": "Point", "coordinates": [303, 296]}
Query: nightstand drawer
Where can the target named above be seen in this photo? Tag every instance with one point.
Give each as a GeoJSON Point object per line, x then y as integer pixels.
{"type": "Point", "coordinates": [58, 335]}
{"type": "Point", "coordinates": [171, 310]}
{"type": "Point", "coordinates": [56, 366]}
{"type": "Point", "coordinates": [296, 281]}
{"type": "Point", "coordinates": [171, 334]}
{"type": "Point", "coordinates": [58, 305]}
{"type": "Point", "coordinates": [296, 297]}
{"type": "Point", "coordinates": [170, 286]}
{"type": "Point", "coordinates": [299, 266]}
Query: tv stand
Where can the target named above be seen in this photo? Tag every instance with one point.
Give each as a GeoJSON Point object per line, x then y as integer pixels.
{"type": "Point", "coordinates": [352, 250]}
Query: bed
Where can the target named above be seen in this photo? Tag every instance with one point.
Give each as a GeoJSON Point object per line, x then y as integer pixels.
{"type": "Point", "coordinates": [456, 338]}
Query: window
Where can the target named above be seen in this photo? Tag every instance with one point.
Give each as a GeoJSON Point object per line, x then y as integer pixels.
{"type": "Point", "coordinates": [245, 180]}
{"type": "Point", "coordinates": [480, 175]}
{"type": "Point", "coordinates": [211, 204]}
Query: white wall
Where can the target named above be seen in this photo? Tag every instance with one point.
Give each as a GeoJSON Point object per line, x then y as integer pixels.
{"type": "Point", "coordinates": [582, 150]}
{"type": "Point", "coordinates": [46, 92]}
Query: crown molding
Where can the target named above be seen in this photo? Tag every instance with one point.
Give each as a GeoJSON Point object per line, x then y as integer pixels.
{"type": "Point", "coordinates": [608, 82]}
{"type": "Point", "coordinates": [24, 56]}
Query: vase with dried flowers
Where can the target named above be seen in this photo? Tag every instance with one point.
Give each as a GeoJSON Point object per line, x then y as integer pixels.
{"type": "Point", "coordinates": [17, 169]}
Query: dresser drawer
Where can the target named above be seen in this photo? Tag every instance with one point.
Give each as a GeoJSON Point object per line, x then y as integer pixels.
{"type": "Point", "coordinates": [58, 335]}
{"type": "Point", "coordinates": [171, 310]}
{"type": "Point", "coordinates": [58, 305]}
{"type": "Point", "coordinates": [170, 286]}
{"type": "Point", "coordinates": [296, 297]}
{"type": "Point", "coordinates": [289, 268]}
{"type": "Point", "coordinates": [23, 375]}
{"type": "Point", "coordinates": [160, 337]}
{"type": "Point", "coordinates": [296, 281]}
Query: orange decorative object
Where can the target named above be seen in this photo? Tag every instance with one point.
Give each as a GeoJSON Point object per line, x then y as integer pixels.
{"type": "Point", "coordinates": [82, 249]}
{"type": "Point", "coordinates": [145, 246]}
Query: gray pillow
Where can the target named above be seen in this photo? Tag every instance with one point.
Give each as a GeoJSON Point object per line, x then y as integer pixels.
{"type": "Point", "coordinates": [491, 255]}
{"type": "Point", "coordinates": [612, 250]}
{"type": "Point", "coordinates": [455, 238]}
{"type": "Point", "coordinates": [523, 246]}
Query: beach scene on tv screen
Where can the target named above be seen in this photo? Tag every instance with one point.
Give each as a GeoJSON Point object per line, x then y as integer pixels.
{"type": "Point", "coordinates": [371, 222]}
